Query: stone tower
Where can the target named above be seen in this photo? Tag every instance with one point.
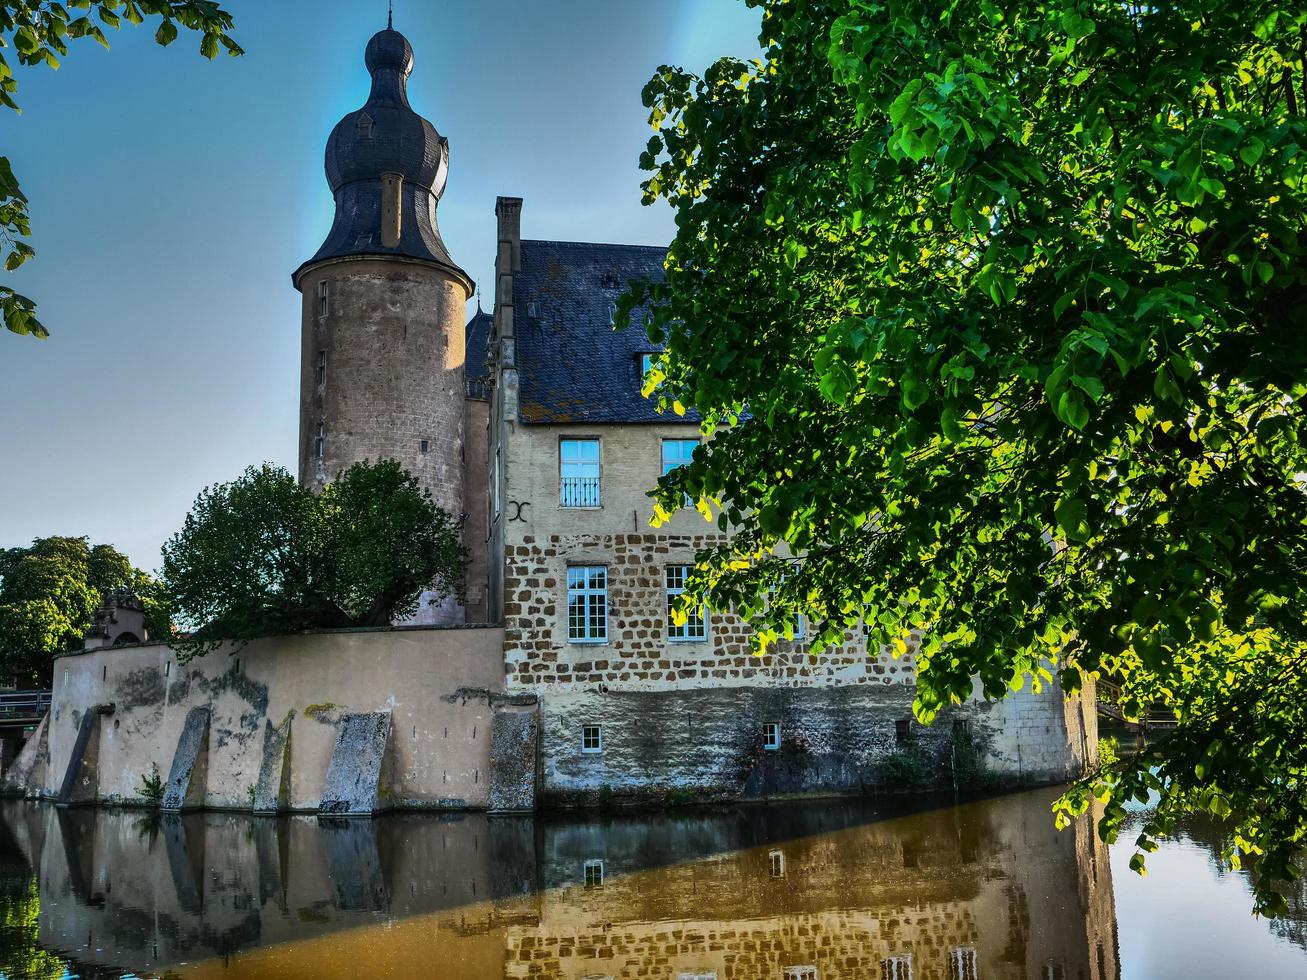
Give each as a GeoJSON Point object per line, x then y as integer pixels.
{"type": "Point", "coordinates": [383, 303]}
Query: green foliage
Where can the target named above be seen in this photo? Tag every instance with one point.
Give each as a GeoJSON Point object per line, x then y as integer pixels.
{"type": "Point", "coordinates": [262, 556]}
{"type": "Point", "coordinates": [907, 768]}
{"type": "Point", "coordinates": [1107, 753]}
{"type": "Point", "coordinates": [995, 312]}
{"type": "Point", "coordinates": [38, 32]}
{"type": "Point", "coordinates": [48, 593]}
{"type": "Point", "coordinates": [151, 787]}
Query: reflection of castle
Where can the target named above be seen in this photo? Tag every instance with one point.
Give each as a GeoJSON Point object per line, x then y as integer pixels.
{"type": "Point", "coordinates": [986, 890]}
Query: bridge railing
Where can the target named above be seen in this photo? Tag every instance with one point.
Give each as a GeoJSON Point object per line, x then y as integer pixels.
{"type": "Point", "coordinates": [1108, 696]}
{"type": "Point", "coordinates": [24, 703]}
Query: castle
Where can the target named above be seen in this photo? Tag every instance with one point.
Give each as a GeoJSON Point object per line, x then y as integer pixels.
{"type": "Point", "coordinates": [531, 423]}
{"type": "Point", "coordinates": [561, 678]}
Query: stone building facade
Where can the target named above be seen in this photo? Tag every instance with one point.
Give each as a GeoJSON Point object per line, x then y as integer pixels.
{"type": "Point", "coordinates": [529, 422]}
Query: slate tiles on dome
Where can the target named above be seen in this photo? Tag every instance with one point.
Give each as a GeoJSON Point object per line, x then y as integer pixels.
{"type": "Point", "coordinates": [573, 366]}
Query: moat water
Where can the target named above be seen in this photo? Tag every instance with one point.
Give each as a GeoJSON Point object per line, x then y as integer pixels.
{"type": "Point", "coordinates": [929, 890]}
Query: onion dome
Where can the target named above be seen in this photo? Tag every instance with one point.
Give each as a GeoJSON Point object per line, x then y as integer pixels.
{"type": "Point", "coordinates": [386, 164]}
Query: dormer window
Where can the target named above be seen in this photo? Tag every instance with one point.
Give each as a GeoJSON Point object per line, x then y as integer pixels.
{"type": "Point", "coordinates": [364, 126]}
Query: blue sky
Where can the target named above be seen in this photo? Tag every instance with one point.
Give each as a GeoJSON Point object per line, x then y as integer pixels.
{"type": "Point", "coordinates": [172, 197]}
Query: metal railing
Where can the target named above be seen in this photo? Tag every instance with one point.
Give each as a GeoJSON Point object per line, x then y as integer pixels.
{"type": "Point", "coordinates": [24, 703]}
{"type": "Point", "coordinates": [579, 491]}
{"type": "Point", "coordinates": [1108, 697]}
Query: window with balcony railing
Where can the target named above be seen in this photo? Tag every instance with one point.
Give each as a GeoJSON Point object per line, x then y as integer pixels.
{"type": "Point", "coordinates": [578, 473]}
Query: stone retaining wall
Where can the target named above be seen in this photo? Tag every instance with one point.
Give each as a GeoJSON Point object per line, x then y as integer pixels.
{"type": "Point", "coordinates": [438, 688]}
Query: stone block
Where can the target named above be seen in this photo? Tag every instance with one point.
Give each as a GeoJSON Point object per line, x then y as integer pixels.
{"type": "Point", "coordinates": [26, 775]}
{"type": "Point", "coordinates": [273, 787]}
{"type": "Point", "coordinates": [81, 780]}
{"type": "Point", "coordinates": [514, 757]}
{"type": "Point", "coordinates": [190, 764]}
{"type": "Point", "coordinates": [355, 773]}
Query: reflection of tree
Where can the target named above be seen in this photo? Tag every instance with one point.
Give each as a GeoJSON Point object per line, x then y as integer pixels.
{"type": "Point", "coordinates": [20, 954]}
{"type": "Point", "coordinates": [1213, 836]}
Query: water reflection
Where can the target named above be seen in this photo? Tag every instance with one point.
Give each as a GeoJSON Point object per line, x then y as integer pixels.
{"type": "Point", "coordinates": [983, 890]}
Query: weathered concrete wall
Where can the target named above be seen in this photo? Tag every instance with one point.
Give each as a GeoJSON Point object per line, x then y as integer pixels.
{"type": "Point", "coordinates": [476, 527]}
{"type": "Point", "coordinates": [436, 685]}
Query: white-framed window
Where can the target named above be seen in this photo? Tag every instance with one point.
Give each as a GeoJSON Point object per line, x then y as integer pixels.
{"type": "Point", "coordinates": [646, 364]}
{"type": "Point", "coordinates": [320, 443]}
{"type": "Point", "coordinates": [962, 963]}
{"type": "Point", "coordinates": [771, 736]}
{"type": "Point", "coordinates": [697, 975]}
{"type": "Point", "coordinates": [587, 604]}
{"type": "Point", "coordinates": [799, 973]}
{"type": "Point", "coordinates": [677, 453]}
{"type": "Point", "coordinates": [695, 626]}
{"type": "Point", "coordinates": [578, 472]}
{"type": "Point", "coordinates": [323, 303]}
{"type": "Point", "coordinates": [320, 369]}
{"type": "Point", "coordinates": [776, 864]}
{"type": "Point", "coordinates": [800, 620]}
{"type": "Point", "coordinates": [593, 873]}
{"type": "Point", "coordinates": [592, 739]}
{"type": "Point", "coordinates": [896, 967]}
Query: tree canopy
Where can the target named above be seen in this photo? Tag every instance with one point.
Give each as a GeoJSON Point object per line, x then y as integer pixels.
{"type": "Point", "coordinates": [263, 556]}
{"type": "Point", "coordinates": [48, 593]}
{"type": "Point", "coordinates": [39, 32]}
{"type": "Point", "coordinates": [996, 314]}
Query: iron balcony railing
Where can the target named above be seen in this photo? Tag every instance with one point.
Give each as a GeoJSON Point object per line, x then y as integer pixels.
{"type": "Point", "coordinates": [24, 703]}
{"type": "Point", "coordinates": [579, 491]}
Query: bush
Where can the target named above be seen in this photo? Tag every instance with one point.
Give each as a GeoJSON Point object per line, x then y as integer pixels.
{"type": "Point", "coordinates": [909, 767]}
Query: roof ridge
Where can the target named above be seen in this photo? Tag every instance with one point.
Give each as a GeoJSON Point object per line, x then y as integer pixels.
{"type": "Point", "coordinates": [553, 241]}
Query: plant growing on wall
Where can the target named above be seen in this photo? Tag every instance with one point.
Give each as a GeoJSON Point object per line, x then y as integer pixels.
{"type": "Point", "coordinates": [49, 591]}
{"type": "Point", "coordinates": [995, 311]}
{"type": "Point", "coordinates": [262, 556]}
{"type": "Point", "coordinates": [151, 788]}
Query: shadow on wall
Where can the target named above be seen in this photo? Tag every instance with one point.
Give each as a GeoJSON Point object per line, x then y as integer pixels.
{"type": "Point", "coordinates": [778, 886]}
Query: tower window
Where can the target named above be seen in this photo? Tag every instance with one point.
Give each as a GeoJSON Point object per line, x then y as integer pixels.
{"type": "Point", "coordinates": [424, 445]}
{"type": "Point", "coordinates": [322, 298]}
{"type": "Point", "coordinates": [320, 372]}
{"type": "Point", "coordinates": [320, 444]}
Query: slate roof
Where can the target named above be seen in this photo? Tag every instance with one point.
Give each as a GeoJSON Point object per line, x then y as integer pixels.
{"type": "Point", "coordinates": [573, 366]}
{"type": "Point", "coordinates": [477, 336]}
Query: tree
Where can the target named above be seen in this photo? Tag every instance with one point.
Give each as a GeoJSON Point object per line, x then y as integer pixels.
{"type": "Point", "coordinates": [262, 556]}
{"type": "Point", "coordinates": [48, 593]}
{"type": "Point", "coordinates": [39, 32]}
{"type": "Point", "coordinates": [996, 314]}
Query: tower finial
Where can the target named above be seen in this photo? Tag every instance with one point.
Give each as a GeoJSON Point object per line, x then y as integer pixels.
{"type": "Point", "coordinates": [390, 15]}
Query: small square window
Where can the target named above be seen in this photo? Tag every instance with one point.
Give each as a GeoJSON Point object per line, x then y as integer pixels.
{"type": "Point", "coordinates": [771, 736]}
{"type": "Point", "coordinates": [592, 739]}
{"type": "Point", "coordinates": [424, 445]}
{"type": "Point", "coordinates": [776, 864]}
{"type": "Point", "coordinates": [593, 871]}
{"type": "Point", "coordinates": [902, 731]}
